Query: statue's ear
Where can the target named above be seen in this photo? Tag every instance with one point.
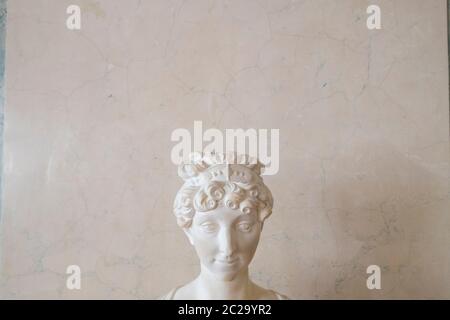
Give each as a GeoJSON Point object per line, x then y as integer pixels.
{"type": "Point", "coordinates": [187, 231]}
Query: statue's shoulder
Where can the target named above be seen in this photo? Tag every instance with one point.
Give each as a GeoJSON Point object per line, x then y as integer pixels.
{"type": "Point", "coordinates": [170, 295]}
{"type": "Point", "coordinates": [268, 294]}
{"type": "Point", "coordinates": [280, 296]}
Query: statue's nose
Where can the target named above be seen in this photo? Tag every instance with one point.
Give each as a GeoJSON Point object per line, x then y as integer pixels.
{"type": "Point", "coordinates": [227, 242]}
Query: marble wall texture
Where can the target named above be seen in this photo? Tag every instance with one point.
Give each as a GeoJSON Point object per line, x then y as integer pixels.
{"type": "Point", "coordinates": [3, 15]}
{"type": "Point", "coordinates": [364, 142]}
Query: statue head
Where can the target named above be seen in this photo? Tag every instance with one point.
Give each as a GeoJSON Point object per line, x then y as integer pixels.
{"type": "Point", "coordinates": [222, 207]}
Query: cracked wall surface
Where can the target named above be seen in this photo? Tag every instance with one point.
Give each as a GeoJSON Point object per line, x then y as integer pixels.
{"type": "Point", "coordinates": [364, 142]}
{"type": "Point", "coordinates": [2, 81]}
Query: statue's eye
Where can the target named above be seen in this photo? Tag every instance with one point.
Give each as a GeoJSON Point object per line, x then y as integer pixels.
{"type": "Point", "coordinates": [244, 226]}
{"type": "Point", "coordinates": [208, 227]}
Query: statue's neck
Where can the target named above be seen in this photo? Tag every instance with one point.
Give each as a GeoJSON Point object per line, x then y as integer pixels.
{"type": "Point", "coordinates": [209, 287]}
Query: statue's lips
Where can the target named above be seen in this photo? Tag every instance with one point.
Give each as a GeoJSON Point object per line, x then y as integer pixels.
{"type": "Point", "coordinates": [226, 262]}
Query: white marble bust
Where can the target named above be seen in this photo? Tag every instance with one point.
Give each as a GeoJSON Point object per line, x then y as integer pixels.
{"type": "Point", "coordinates": [222, 207]}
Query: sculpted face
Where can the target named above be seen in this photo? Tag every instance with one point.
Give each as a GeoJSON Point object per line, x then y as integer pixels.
{"type": "Point", "coordinates": [225, 240]}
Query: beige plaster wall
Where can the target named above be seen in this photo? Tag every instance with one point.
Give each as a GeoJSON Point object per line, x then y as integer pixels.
{"type": "Point", "coordinates": [364, 142]}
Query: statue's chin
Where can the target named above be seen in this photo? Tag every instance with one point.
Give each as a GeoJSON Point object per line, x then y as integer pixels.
{"type": "Point", "coordinates": [225, 276]}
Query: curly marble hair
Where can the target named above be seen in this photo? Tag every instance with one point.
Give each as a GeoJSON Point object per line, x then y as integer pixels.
{"type": "Point", "coordinates": [226, 180]}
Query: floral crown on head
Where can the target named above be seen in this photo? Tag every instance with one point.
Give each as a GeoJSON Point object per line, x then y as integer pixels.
{"type": "Point", "coordinates": [229, 180]}
{"type": "Point", "coordinates": [204, 167]}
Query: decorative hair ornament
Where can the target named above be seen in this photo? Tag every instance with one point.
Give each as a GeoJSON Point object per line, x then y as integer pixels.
{"type": "Point", "coordinates": [213, 180]}
{"type": "Point", "coordinates": [204, 167]}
